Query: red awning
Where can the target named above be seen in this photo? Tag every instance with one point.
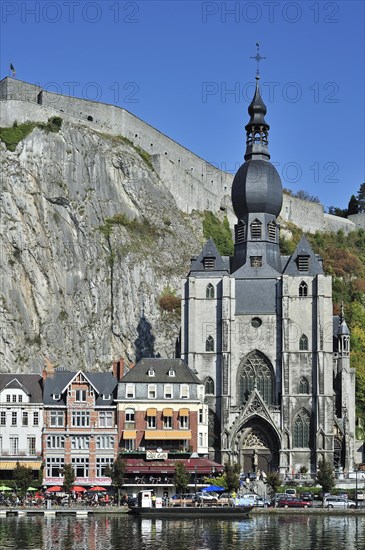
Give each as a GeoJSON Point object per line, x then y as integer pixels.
{"type": "Point", "coordinates": [202, 466]}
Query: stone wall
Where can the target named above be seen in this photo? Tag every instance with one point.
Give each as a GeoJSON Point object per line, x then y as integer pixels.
{"type": "Point", "coordinates": [194, 183]}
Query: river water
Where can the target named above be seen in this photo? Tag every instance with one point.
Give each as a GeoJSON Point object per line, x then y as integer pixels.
{"type": "Point", "coordinates": [100, 532]}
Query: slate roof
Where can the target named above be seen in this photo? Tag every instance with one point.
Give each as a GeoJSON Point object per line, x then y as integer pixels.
{"type": "Point", "coordinates": [104, 382]}
{"type": "Point", "coordinates": [304, 249]}
{"type": "Point", "coordinates": [183, 374]}
{"type": "Point", "coordinates": [31, 382]}
{"type": "Point", "coordinates": [209, 251]}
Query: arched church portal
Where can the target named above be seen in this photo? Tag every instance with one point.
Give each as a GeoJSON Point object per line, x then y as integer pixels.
{"type": "Point", "coordinates": [257, 446]}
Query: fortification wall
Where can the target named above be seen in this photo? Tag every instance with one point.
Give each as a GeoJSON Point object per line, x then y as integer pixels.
{"type": "Point", "coordinates": [358, 220]}
{"type": "Point", "coordinates": [195, 183]}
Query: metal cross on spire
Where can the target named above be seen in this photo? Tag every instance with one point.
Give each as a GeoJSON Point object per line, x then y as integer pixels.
{"type": "Point", "coordinates": [258, 58]}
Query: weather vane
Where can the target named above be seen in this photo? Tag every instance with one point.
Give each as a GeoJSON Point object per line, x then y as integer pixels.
{"type": "Point", "coordinates": [258, 58]}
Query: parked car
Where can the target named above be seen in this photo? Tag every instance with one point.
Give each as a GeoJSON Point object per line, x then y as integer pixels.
{"type": "Point", "coordinates": [306, 495]}
{"type": "Point", "coordinates": [276, 498]}
{"type": "Point", "coordinates": [334, 501]}
{"type": "Point", "coordinates": [256, 500]}
{"type": "Point", "coordinates": [183, 500]}
{"type": "Point", "coordinates": [225, 499]}
{"type": "Point", "coordinates": [293, 502]}
{"type": "Point", "coordinates": [291, 492]}
{"type": "Point", "coordinates": [206, 497]}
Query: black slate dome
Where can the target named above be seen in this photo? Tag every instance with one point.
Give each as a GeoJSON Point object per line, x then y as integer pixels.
{"type": "Point", "coordinates": [257, 188]}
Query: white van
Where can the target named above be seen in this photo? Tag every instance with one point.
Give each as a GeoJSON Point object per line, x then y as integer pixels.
{"type": "Point", "coordinates": [291, 492]}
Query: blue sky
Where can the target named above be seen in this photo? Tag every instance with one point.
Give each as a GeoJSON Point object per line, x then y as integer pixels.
{"type": "Point", "coordinates": [185, 68]}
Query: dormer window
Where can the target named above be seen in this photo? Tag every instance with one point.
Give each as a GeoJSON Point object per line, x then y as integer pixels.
{"type": "Point", "coordinates": [303, 263]}
{"type": "Point", "coordinates": [171, 372]}
{"type": "Point", "coordinates": [151, 372]}
{"type": "Point", "coordinates": [209, 263]}
{"type": "Point", "coordinates": [56, 396]}
{"type": "Point", "coordinates": [106, 396]}
{"type": "Point", "coordinates": [240, 233]}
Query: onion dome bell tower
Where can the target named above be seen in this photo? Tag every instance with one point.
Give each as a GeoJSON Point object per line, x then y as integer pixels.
{"type": "Point", "coordinates": [257, 196]}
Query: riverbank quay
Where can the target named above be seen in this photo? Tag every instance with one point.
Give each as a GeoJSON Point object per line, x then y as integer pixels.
{"type": "Point", "coordinates": [115, 510]}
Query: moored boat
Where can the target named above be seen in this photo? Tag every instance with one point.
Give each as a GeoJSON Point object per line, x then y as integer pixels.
{"type": "Point", "coordinates": [223, 512]}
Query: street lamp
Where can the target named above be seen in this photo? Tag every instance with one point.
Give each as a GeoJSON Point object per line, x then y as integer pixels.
{"type": "Point", "coordinates": [195, 477]}
{"type": "Point", "coordinates": [356, 495]}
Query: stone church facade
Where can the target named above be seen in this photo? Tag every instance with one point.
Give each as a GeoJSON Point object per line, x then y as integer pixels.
{"type": "Point", "coordinates": [259, 331]}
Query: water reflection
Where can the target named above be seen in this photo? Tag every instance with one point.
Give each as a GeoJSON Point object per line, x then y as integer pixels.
{"type": "Point", "coordinates": [274, 532]}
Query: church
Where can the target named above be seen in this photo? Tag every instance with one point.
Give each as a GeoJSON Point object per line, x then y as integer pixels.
{"type": "Point", "coordinates": [258, 329]}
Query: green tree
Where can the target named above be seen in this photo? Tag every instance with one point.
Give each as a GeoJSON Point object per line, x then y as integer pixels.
{"type": "Point", "coordinates": [181, 478]}
{"type": "Point", "coordinates": [117, 473]}
{"type": "Point", "coordinates": [361, 198]}
{"type": "Point", "coordinates": [68, 477]}
{"type": "Point", "coordinates": [325, 476]}
{"type": "Point", "coordinates": [353, 206]}
{"type": "Point", "coordinates": [219, 231]}
{"type": "Point", "coordinates": [232, 476]}
{"type": "Point", "coordinates": [273, 481]}
{"type": "Point", "coordinates": [23, 478]}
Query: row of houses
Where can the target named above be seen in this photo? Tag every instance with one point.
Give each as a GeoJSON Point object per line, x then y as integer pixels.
{"type": "Point", "coordinates": [152, 415]}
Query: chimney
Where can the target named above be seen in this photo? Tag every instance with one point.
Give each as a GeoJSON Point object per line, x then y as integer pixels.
{"type": "Point", "coordinates": [118, 368]}
{"type": "Point", "coordinates": [48, 369]}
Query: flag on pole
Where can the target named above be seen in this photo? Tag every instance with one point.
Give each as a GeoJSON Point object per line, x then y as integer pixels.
{"type": "Point", "coordinates": [12, 68]}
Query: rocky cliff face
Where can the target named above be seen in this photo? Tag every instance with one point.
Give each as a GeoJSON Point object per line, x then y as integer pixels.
{"type": "Point", "coordinates": [90, 240]}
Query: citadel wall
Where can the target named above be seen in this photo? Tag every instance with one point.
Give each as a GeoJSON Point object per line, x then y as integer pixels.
{"type": "Point", "coordinates": [194, 183]}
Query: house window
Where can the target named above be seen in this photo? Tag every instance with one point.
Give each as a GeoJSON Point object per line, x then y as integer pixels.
{"type": "Point", "coordinates": [256, 229]}
{"type": "Point", "coordinates": [54, 466]}
{"type": "Point", "coordinates": [56, 396]}
{"type": "Point", "coordinates": [20, 399]}
{"type": "Point", "coordinates": [272, 231]}
{"type": "Point", "coordinates": [14, 418]}
{"type": "Point", "coordinates": [8, 398]}
{"type": "Point", "coordinates": [105, 442]}
{"type": "Point", "coordinates": [24, 418]}
{"type": "Point", "coordinates": [129, 415]}
{"type": "Point", "coordinates": [256, 261]}
{"type": "Point", "coordinates": [303, 343]}
{"type": "Point", "coordinates": [167, 391]}
{"type": "Point", "coordinates": [303, 263]}
{"type": "Point", "coordinates": [303, 289]}
{"type": "Point", "coordinates": [209, 385]}
{"type": "Point", "coordinates": [80, 419]}
{"type": "Point", "coordinates": [107, 396]}
{"type": "Point", "coordinates": [14, 445]}
{"type": "Point", "coordinates": [36, 418]}
{"type": "Point", "coordinates": [184, 422]}
{"type": "Point", "coordinates": [151, 391]}
{"type": "Point", "coordinates": [167, 422]}
{"type": "Point", "coordinates": [208, 263]}
{"type": "Point", "coordinates": [2, 418]}
{"type": "Point", "coordinates": [129, 444]}
{"type": "Point", "coordinates": [301, 429]}
{"type": "Point", "coordinates": [56, 419]}
{"type": "Point", "coordinates": [172, 372]}
{"type": "Point", "coordinates": [80, 443]}
{"type": "Point", "coordinates": [184, 391]}
{"type": "Point", "coordinates": [80, 466]}
{"type": "Point", "coordinates": [201, 416]}
{"type": "Point", "coordinates": [151, 421]}
{"type": "Point", "coordinates": [80, 395]}
{"type": "Point", "coordinates": [303, 385]}
{"type": "Point", "coordinates": [55, 442]}
{"type": "Point", "coordinates": [209, 292]}
{"type": "Point", "coordinates": [31, 445]}
{"type": "Point", "coordinates": [240, 233]}
{"type": "Point", "coordinates": [14, 398]}
{"type": "Point", "coordinates": [200, 440]}
{"type": "Point", "coordinates": [1, 445]}
{"type": "Point", "coordinates": [105, 419]}
{"type": "Point", "coordinates": [129, 391]}
{"type": "Point", "coordinates": [102, 463]}
{"type": "Point", "coordinates": [209, 344]}
{"type": "Point", "coordinates": [151, 372]}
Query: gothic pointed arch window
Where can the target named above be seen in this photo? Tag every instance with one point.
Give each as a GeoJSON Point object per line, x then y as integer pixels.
{"type": "Point", "coordinates": [256, 371]}
{"type": "Point", "coordinates": [303, 289]}
{"type": "Point", "coordinates": [209, 344]}
{"type": "Point", "coordinates": [303, 385]}
{"type": "Point", "coordinates": [256, 229]}
{"type": "Point", "coordinates": [209, 386]}
{"type": "Point", "coordinates": [301, 429]}
{"type": "Point", "coordinates": [303, 343]}
{"type": "Point", "coordinates": [209, 292]}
